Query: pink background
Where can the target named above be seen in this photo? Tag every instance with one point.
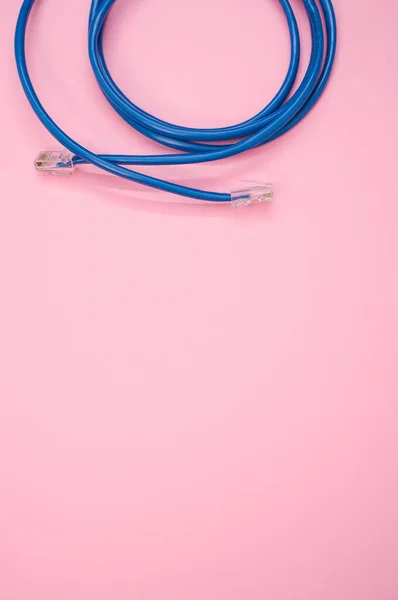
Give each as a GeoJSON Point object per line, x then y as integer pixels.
{"type": "Point", "coordinates": [196, 402]}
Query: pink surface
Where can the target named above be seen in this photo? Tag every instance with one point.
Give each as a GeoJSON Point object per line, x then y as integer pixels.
{"type": "Point", "coordinates": [196, 402]}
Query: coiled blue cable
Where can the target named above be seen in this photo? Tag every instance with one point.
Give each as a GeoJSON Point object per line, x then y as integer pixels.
{"type": "Point", "coordinates": [278, 117]}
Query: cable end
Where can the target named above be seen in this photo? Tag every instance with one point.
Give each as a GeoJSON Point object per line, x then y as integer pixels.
{"type": "Point", "coordinates": [55, 162]}
{"type": "Point", "coordinates": [252, 194]}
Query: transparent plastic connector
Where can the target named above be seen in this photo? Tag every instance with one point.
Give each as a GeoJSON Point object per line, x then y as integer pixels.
{"type": "Point", "coordinates": [252, 194]}
{"type": "Point", "coordinates": [55, 162]}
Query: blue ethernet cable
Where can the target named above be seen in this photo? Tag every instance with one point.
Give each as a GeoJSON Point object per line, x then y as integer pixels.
{"type": "Point", "coordinates": [192, 144]}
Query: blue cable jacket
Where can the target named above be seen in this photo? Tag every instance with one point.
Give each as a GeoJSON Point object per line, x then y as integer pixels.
{"type": "Point", "coordinates": [278, 117]}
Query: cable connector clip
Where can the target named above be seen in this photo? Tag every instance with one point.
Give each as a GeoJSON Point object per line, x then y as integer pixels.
{"type": "Point", "coordinates": [55, 162]}
{"type": "Point", "coordinates": [252, 194]}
